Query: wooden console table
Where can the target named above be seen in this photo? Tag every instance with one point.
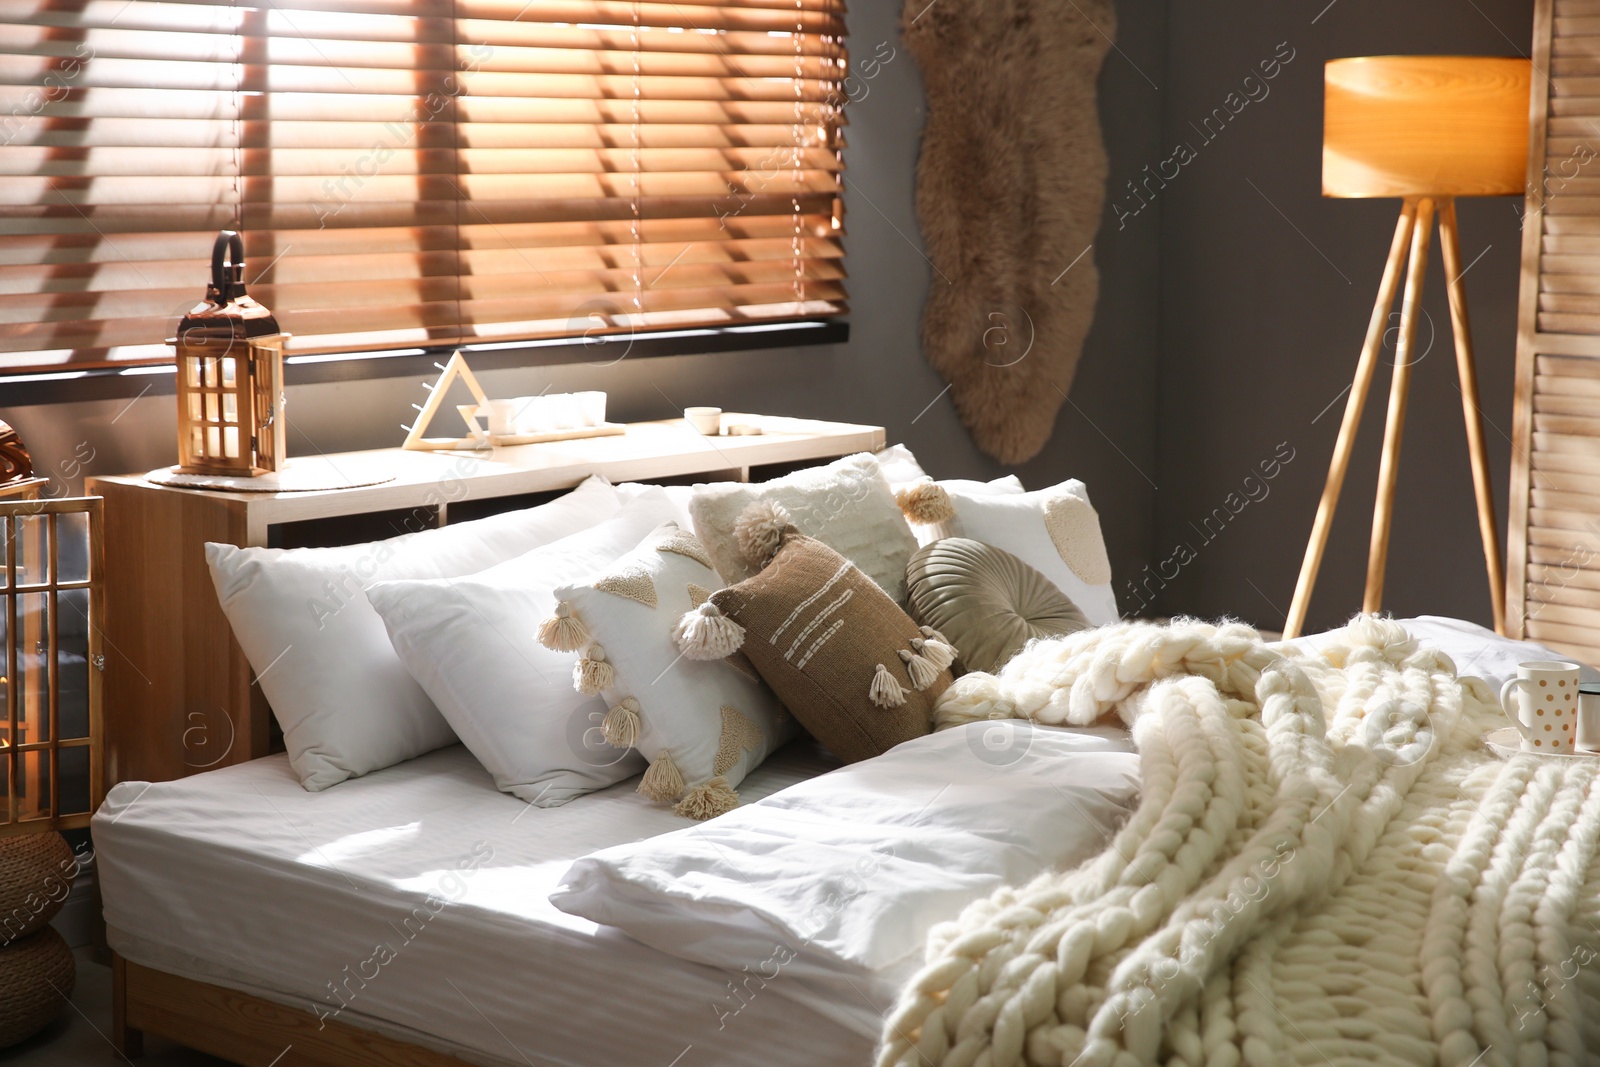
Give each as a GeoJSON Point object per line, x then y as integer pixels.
{"type": "Point", "coordinates": [179, 695]}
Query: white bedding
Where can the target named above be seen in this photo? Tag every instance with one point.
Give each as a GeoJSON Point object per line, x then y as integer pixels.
{"type": "Point", "coordinates": [415, 901]}
{"type": "Point", "coordinates": [241, 877]}
{"type": "Point", "coordinates": [853, 868]}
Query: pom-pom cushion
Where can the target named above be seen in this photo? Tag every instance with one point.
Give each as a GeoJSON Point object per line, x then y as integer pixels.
{"type": "Point", "coordinates": [346, 703]}
{"type": "Point", "coordinates": [844, 658]}
{"type": "Point", "coordinates": [847, 505]}
{"type": "Point", "coordinates": [985, 601]}
{"type": "Point", "coordinates": [702, 725]}
{"type": "Point", "coordinates": [1056, 531]}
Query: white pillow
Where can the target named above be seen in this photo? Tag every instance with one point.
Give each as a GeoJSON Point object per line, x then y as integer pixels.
{"type": "Point", "coordinates": [899, 465]}
{"type": "Point", "coordinates": [903, 471]}
{"type": "Point", "coordinates": [470, 644]}
{"type": "Point", "coordinates": [703, 725]}
{"type": "Point", "coordinates": [1476, 651]}
{"type": "Point", "coordinates": [901, 468]}
{"type": "Point", "coordinates": [847, 505]}
{"type": "Point", "coordinates": [678, 494]}
{"type": "Point", "coordinates": [346, 704]}
{"type": "Point", "coordinates": [1055, 531]}
{"type": "Point", "coordinates": [857, 865]}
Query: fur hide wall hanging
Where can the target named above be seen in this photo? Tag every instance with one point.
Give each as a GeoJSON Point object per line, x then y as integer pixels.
{"type": "Point", "coordinates": [1009, 190]}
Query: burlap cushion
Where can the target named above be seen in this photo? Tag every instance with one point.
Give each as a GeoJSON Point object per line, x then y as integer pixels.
{"type": "Point", "coordinates": [817, 629]}
{"type": "Point", "coordinates": [986, 601]}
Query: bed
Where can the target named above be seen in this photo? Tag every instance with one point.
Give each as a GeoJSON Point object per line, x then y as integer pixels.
{"type": "Point", "coordinates": [240, 878]}
{"type": "Point", "coordinates": [249, 919]}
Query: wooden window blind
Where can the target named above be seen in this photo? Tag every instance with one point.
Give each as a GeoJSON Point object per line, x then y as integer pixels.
{"type": "Point", "coordinates": [416, 172]}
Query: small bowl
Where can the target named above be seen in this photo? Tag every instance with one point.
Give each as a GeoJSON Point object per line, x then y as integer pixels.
{"type": "Point", "coordinates": [707, 421]}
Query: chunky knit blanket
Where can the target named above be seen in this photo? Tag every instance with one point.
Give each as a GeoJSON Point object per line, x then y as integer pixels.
{"type": "Point", "coordinates": [1326, 867]}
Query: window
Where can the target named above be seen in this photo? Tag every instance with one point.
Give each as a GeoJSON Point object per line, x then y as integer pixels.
{"type": "Point", "coordinates": [415, 172]}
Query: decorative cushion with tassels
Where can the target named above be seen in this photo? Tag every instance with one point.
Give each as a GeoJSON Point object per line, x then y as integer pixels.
{"type": "Point", "coordinates": [701, 725]}
{"type": "Point", "coordinates": [847, 504]}
{"type": "Point", "coordinates": [853, 667]}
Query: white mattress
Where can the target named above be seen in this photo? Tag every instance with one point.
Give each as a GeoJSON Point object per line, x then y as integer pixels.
{"type": "Point", "coordinates": [241, 877]}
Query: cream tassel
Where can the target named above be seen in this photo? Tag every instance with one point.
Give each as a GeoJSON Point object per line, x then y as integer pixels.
{"type": "Point", "coordinates": [563, 631]}
{"type": "Point", "coordinates": [621, 725]}
{"type": "Point", "coordinates": [705, 633]}
{"type": "Point", "coordinates": [935, 652]}
{"type": "Point", "coordinates": [708, 801]}
{"type": "Point", "coordinates": [760, 529]}
{"type": "Point", "coordinates": [592, 673]}
{"type": "Point", "coordinates": [886, 691]}
{"type": "Point", "coordinates": [662, 782]}
{"type": "Point", "coordinates": [925, 502]}
{"type": "Point", "coordinates": [923, 673]}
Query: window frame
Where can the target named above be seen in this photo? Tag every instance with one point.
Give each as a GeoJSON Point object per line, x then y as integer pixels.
{"type": "Point", "coordinates": [74, 386]}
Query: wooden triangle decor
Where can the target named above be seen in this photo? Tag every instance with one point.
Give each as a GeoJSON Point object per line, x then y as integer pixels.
{"type": "Point", "coordinates": [456, 368]}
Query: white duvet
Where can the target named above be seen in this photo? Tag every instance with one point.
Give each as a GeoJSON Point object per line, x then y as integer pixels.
{"type": "Point", "coordinates": [855, 866]}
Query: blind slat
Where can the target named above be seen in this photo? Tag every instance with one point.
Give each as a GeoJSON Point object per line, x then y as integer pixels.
{"type": "Point", "coordinates": [553, 267]}
{"type": "Point", "coordinates": [721, 165]}
{"type": "Point", "coordinates": [23, 103]}
{"type": "Point", "coordinates": [81, 248]}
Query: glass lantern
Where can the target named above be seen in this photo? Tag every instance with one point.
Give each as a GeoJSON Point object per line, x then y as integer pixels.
{"type": "Point", "coordinates": [230, 376]}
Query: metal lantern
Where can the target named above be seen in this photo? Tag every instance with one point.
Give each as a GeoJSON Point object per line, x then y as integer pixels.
{"type": "Point", "coordinates": [230, 376]}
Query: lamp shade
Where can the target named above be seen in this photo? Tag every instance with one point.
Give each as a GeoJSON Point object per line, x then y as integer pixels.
{"type": "Point", "coordinates": [1425, 126]}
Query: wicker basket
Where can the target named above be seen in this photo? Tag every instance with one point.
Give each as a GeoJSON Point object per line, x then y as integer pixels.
{"type": "Point", "coordinates": [36, 977]}
{"type": "Point", "coordinates": [36, 870]}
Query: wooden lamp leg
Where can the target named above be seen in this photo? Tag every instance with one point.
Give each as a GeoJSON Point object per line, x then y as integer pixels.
{"type": "Point", "coordinates": [1353, 407]}
{"type": "Point", "coordinates": [1394, 425]}
{"type": "Point", "coordinates": [1488, 529]}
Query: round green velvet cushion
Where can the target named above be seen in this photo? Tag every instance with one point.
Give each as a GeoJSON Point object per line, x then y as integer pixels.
{"type": "Point", "coordinates": [986, 602]}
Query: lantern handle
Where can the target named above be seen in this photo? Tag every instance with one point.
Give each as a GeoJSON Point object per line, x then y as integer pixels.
{"type": "Point", "coordinates": [228, 249]}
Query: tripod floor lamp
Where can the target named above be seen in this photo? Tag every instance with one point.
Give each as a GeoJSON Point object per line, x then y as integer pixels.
{"type": "Point", "coordinates": [1426, 129]}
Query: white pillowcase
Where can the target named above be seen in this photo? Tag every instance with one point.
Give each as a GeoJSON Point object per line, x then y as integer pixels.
{"type": "Point", "coordinates": [847, 505]}
{"type": "Point", "coordinates": [899, 465]}
{"type": "Point", "coordinates": [678, 494]}
{"type": "Point", "coordinates": [703, 725]}
{"type": "Point", "coordinates": [1476, 651]}
{"type": "Point", "coordinates": [1055, 531]}
{"type": "Point", "coordinates": [346, 704]}
{"type": "Point", "coordinates": [902, 469]}
{"type": "Point", "coordinates": [470, 644]}
{"type": "Point", "coordinates": [857, 865]}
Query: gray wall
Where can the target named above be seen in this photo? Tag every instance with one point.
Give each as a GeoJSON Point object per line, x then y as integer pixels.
{"type": "Point", "coordinates": [878, 377]}
{"type": "Point", "coordinates": [1232, 307]}
{"type": "Point", "coordinates": [1266, 289]}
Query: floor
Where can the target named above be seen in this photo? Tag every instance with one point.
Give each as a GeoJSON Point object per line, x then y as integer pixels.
{"type": "Point", "coordinates": [81, 1037]}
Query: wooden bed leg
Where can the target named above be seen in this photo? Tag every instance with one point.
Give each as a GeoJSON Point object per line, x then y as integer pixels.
{"type": "Point", "coordinates": [126, 1039]}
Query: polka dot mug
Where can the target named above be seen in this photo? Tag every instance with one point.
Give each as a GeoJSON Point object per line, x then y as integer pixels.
{"type": "Point", "coordinates": [1546, 705]}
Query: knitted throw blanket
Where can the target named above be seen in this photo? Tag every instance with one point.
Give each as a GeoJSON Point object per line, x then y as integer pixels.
{"type": "Point", "coordinates": [1326, 866]}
